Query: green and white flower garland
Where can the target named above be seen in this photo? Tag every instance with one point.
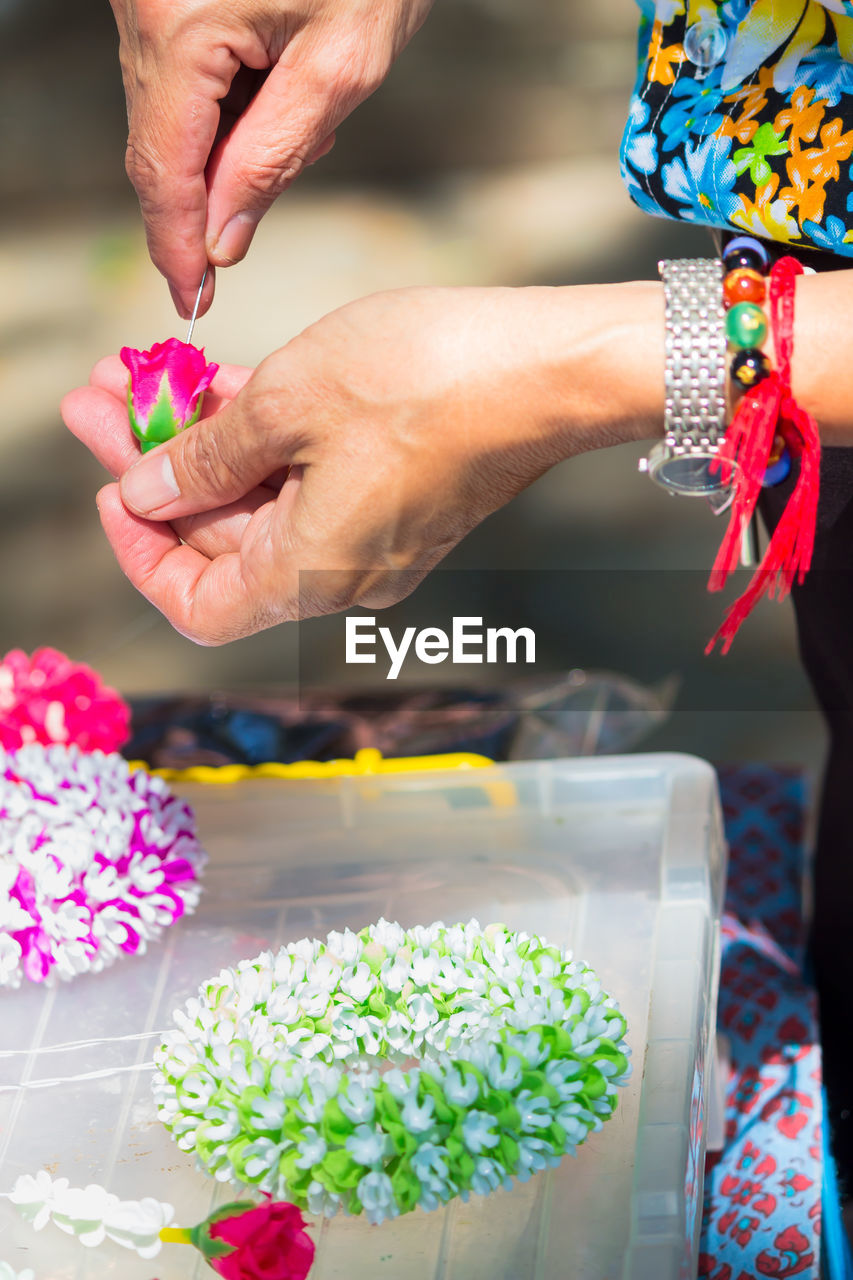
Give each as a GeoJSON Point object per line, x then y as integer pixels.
{"type": "Point", "coordinates": [272, 1078]}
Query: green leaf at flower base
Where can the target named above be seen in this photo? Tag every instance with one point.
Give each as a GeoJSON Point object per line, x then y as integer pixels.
{"type": "Point", "coordinates": [335, 1126]}
{"type": "Point", "coordinates": [506, 1152]}
{"type": "Point", "coordinates": [429, 1087]}
{"type": "Point", "coordinates": [293, 1127]}
{"type": "Point", "coordinates": [556, 1135]}
{"type": "Point", "coordinates": [595, 1084]}
{"type": "Point", "coordinates": [374, 955]}
{"type": "Point", "coordinates": [558, 1041]}
{"type": "Point", "coordinates": [508, 1117]}
{"type": "Point", "coordinates": [462, 1165]}
{"type": "Point", "coordinates": [206, 1143]}
{"type": "Point", "coordinates": [468, 1070]}
{"type": "Point", "coordinates": [341, 1170]}
{"type": "Point", "coordinates": [245, 1109]}
{"type": "Point", "coordinates": [407, 1188]}
{"type": "Point", "coordinates": [235, 1155]}
{"type": "Point", "coordinates": [377, 1006]}
{"type": "Point", "coordinates": [200, 1235]}
{"type": "Point", "coordinates": [161, 424]}
{"type": "Point", "coordinates": [403, 1142]}
{"type": "Point", "coordinates": [297, 1179]}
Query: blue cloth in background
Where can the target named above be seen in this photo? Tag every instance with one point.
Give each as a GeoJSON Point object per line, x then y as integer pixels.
{"type": "Point", "coordinates": [762, 1212]}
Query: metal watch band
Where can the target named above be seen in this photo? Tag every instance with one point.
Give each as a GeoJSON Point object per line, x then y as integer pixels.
{"type": "Point", "coordinates": [695, 376]}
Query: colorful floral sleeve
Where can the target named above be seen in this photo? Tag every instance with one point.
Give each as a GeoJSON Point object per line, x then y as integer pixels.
{"type": "Point", "coordinates": [742, 117]}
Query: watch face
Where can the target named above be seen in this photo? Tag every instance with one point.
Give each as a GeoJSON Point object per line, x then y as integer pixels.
{"type": "Point", "coordinates": [686, 473]}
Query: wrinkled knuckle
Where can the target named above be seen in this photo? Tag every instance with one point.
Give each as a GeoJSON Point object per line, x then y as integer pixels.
{"type": "Point", "coordinates": [140, 164]}
{"type": "Point", "coordinates": [351, 69]}
{"type": "Point", "coordinates": [326, 591]}
{"type": "Point", "coordinates": [265, 178]}
{"type": "Point", "coordinates": [208, 470]}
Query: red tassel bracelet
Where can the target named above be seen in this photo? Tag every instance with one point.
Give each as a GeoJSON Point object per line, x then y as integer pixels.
{"type": "Point", "coordinates": [765, 412]}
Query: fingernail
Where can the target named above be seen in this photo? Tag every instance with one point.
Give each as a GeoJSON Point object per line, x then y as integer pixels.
{"type": "Point", "coordinates": [150, 484]}
{"type": "Point", "coordinates": [234, 239]}
{"type": "Point", "coordinates": [183, 310]}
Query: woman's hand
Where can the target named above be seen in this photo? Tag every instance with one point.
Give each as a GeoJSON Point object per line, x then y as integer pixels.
{"type": "Point", "coordinates": [404, 419]}
{"type": "Point", "coordinates": [227, 103]}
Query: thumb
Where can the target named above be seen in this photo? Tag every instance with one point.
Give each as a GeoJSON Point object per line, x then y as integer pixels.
{"type": "Point", "coordinates": [287, 126]}
{"type": "Point", "coordinates": [213, 463]}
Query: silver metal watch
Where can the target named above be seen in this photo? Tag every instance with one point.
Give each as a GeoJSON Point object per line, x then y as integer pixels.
{"type": "Point", "coordinates": [695, 380]}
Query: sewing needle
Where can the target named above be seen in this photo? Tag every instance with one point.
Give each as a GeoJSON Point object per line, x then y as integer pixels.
{"type": "Point", "coordinates": [196, 307]}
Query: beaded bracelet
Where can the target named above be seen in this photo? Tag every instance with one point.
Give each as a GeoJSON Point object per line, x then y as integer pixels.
{"type": "Point", "coordinates": [747, 264]}
{"type": "Point", "coordinates": [767, 432]}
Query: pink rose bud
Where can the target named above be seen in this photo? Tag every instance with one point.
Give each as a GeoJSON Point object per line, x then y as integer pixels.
{"type": "Point", "coordinates": [266, 1241]}
{"type": "Point", "coordinates": [166, 389]}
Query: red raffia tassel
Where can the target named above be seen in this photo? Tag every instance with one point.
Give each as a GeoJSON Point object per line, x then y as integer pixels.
{"type": "Point", "coordinates": [763, 413]}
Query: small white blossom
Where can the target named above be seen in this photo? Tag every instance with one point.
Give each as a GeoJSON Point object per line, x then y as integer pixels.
{"type": "Point", "coordinates": [136, 1224]}
{"type": "Point", "coordinates": [6, 1273]}
{"type": "Point", "coordinates": [478, 1131]}
{"type": "Point", "coordinates": [366, 1145]}
{"type": "Point", "coordinates": [377, 1197]}
{"type": "Point", "coordinates": [34, 1196]}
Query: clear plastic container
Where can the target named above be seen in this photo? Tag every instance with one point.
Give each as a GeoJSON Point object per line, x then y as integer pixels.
{"type": "Point", "coordinates": [622, 859]}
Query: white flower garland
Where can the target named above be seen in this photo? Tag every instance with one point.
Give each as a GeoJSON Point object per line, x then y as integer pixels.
{"type": "Point", "coordinates": [272, 1075]}
{"type": "Point", "coordinates": [95, 860]}
{"type": "Point", "coordinates": [8, 1273]}
{"type": "Point", "coordinates": [90, 1213]}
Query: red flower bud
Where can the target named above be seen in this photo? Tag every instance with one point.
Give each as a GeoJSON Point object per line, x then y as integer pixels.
{"type": "Point", "coordinates": [167, 385]}
{"type": "Point", "coordinates": [256, 1242]}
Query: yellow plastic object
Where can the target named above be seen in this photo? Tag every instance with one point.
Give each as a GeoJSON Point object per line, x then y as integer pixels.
{"type": "Point", "coordinates": [366, 761]}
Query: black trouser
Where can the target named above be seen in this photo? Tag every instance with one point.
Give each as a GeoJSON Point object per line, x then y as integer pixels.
{"type": "Point", "coordinates": [824, 613]}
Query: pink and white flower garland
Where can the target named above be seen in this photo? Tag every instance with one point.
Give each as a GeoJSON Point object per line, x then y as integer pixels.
{"type": "Point", "coordinates": [96, 860]}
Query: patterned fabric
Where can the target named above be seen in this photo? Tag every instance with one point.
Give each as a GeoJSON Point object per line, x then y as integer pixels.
{"type": "Point", "coordinates": [760, 141]}
{"type": "Point", "coordinates": [762, 1212]}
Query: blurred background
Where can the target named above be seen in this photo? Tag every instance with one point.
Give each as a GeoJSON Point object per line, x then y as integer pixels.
{"type": "Point", "coordinates": [488, 157]}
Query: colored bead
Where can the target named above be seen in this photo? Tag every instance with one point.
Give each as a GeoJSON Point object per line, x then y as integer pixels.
{"type": "Point", "coordinates": [743, 285]}
{"type": "Point", "coordinates": [749, 367]}
{"type": "Point", "coordinates": [777, 448]}
{"type": "Point", "coordinates": [777, 471]}
{"type": "Point", "coordinates": [746, 325]}
{"type": "Point", "coordinates": [746, 251]}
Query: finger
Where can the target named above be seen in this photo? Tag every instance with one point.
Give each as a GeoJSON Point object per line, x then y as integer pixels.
{"type": "Point", "coordinates": [207, 600]}
{"type": "Point", "coordinates": [323, 149]}
{"type": "Point", "coordinates": [288, 125]}
{"type": "Point", "coordinates": [174, 116]}
{"type": "Point", "coordinates": [185, 302]}
{"type": "Point", "coordinates": [99, 422]}
{"type": "Point", "coordinates": [216, 462]}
